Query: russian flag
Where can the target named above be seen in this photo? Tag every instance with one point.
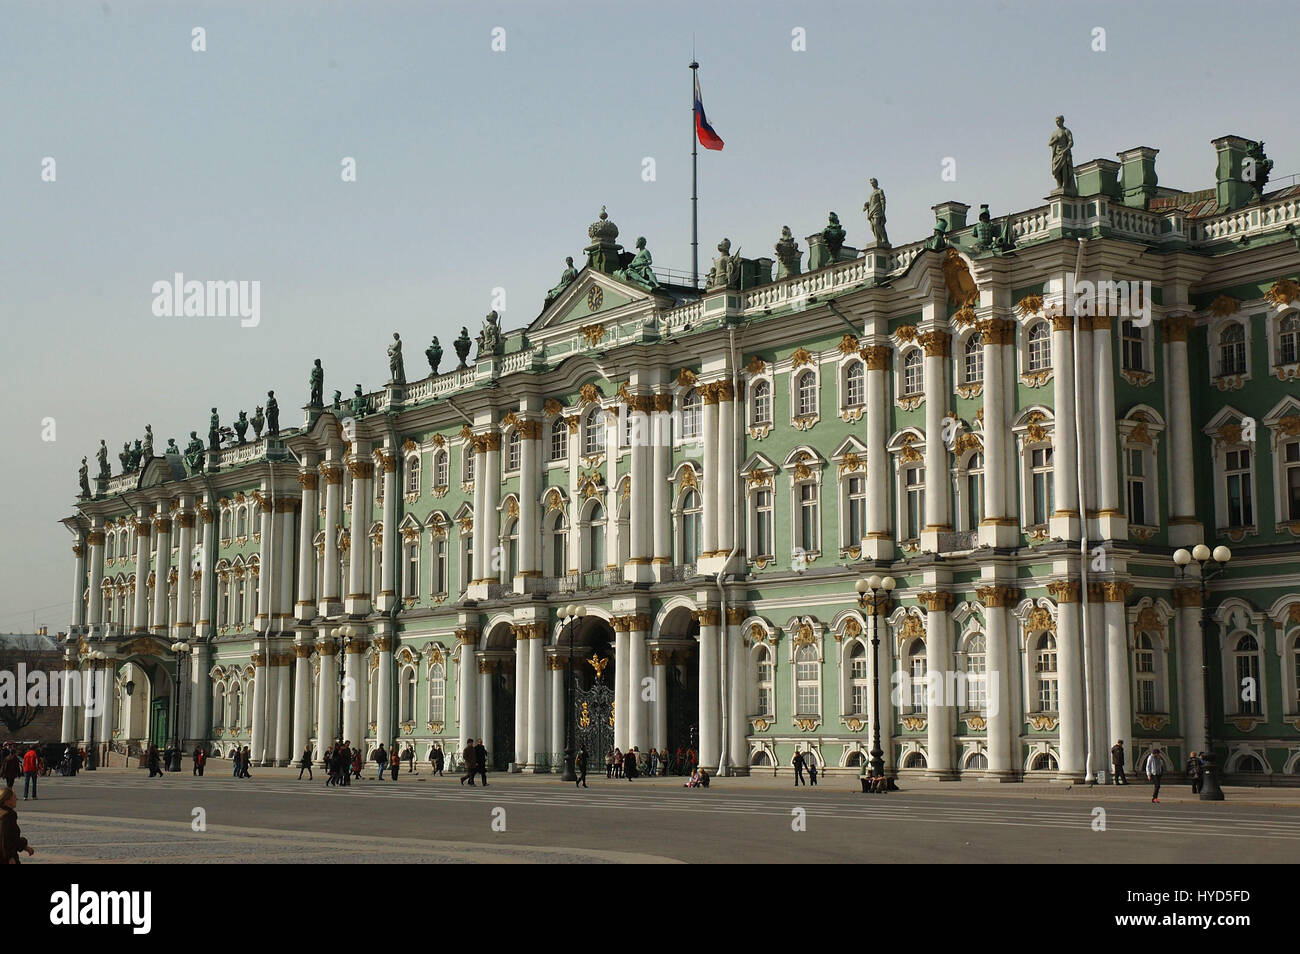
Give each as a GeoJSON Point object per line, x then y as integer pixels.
{"type": "Point", "coordinates": [708, 138]}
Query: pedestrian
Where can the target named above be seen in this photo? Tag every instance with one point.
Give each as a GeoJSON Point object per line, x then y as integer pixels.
{"type": "Point", "coordinates": [334, 763]}
{"type": "Point", "coordinates": [480, 756]}
{"type": "Point", "coordinates": [357, 763]}
{"type": "Point", "coordinates": [304, 764]}
{"type": "Point", "coordinates": [629, 764]}
{"type": "Point", "coordinates": [438, 759]}
{"type": "Point", "coordinates": [1117, 763]}
{"type": "Point", "coordinates": [651, 759]}
{"type": "Point", "coordinates": [199, 759]}
{"type": "Point", "coordinates": [31, 765]}
{"type": "Point", "coordinates": [618, 762]}
{"type": "Point", "coordinates": [582, 768]}
{"type": "Point", "coordinates": [381, 757]}
{"type": "Point", "coordinates": [797, 762]}
{"type": "Point", "coordinates": [865, 775]}
{"type": "Point", "coordinates": [1196, 771]}
{"type": "Point", "coordinates": [471, 764]}
{"type": "Point", "coordinates": [1155, 769]}
{"type": "Point", "coordinates": [609, 765]}
{"type": "Point", "coordinates": [153, 758]}
{"type": "Point", "coordinates": [395, 761]}
{"type": "Point", "coordinates": [12, 842]}
{"type": "Point", "coordinates": [409, 755]}
{"type": "Point", "coordinates": [812, 768]}
{"type": "Point", "coordinates": [245, 761]}
{"type": "Point", "coordinates": [236, 756]}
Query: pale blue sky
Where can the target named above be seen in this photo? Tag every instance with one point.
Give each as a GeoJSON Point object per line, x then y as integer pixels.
{"type": "Point", "coordinates": [479, 169]}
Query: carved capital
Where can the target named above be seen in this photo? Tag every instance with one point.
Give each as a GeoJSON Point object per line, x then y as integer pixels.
{"type": "Point", "coordinates": [877, 357]}
{"type": "Point", "coordinates": [936, 343]}
{"type": "Point", "coordinates": [936, 601]}
{"type": "Point", "coordinates": [1064, 591]}
{"type": "Point", "coordinates": [995, 596]}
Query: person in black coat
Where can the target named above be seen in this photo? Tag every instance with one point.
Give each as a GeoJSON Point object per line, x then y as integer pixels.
{"type": "Point", "coordinates": [581, 763]}
{"type": "Point", "coordinates": [480, 758]}
{"type": "Point", "coordinates": [629, 765]}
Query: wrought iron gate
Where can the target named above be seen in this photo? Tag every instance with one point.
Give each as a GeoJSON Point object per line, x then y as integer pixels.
{"type": "Point", "coordinates": [593, 721]}
{"type": "Point", "coordinates": [683, 716]}
{"type": "Point", "coordinates": [503, 723]}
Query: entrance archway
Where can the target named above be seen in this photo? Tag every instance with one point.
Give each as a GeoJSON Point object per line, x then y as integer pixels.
{"type": "Point", "coordinates": [591, 690]}
{"type": "Point", "coordinates": [678, 646]}
{"type": "Point", "coordinates": [497, 669]}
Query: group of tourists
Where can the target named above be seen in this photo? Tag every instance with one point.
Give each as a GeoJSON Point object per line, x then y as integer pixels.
{"type": "Point", "coordinates": [630, 764]}
{"type": "Point", "coordinates": [391, 760]}
{"type": "Point", "coordinates": [801, 761]}
{"type": "Point", "coordinates": [475, 757]}
{"type": "Point", "coordinates": [342, 760]}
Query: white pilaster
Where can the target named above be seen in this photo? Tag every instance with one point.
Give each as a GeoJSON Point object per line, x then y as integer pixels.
{"type": "Point", "coordinates": [710, 703]}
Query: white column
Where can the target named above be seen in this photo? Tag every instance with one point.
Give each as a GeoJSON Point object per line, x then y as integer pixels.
{"type": "Point", "coordinates": [999, 526]}
{"type": "Point", "coordinates": [639, 508]}
{"type": "Point", "coordinates": [304, 609]}
{"type": "Point", "coordinates": [622, 683]}
{"type": "Point", "coordinates": [205, 625]}
{"type": "Point", "coordinates": [659, 489]}
{"type": "Point", "coordinates": [486, 729]}
{"type": "Point", "coordinates": [710, 728]}
{"type": "Point", "coordinates": [257, 742]}
{"type": "Point", "coordinates": [301, 696]}
{"type": "Point", "coordinates": [384, 729]}
{"type": "Point", "coordinates": [392, 544]}
{"type": "Point", "coordinates": [1064, 522]}
{"type": "Point", "coordinates": [558, 667]}
{"type": "Point", "coordinates": [95, 541]}
{"type": "Point", "coordinates": [1111, 520]}
{"type": "Point", "coordinates": [737, 683]}
{"type": "Point", "coordinates": [879, 542]}
{"type": "Point", "coordinates": [1069, 648]}
{"type": "Point", "coordinates": [68, 728]}
{"type": "Point", "coordinates": [265, 571]}
{"type": "Point", "coordinates": [80, 604]}
{"type": "Point", "coordinates": [1184, 529]}
{"type": "Point", "coordinates": [530, 517]}
{"type": "Point", "coordinates": [330, 596]}
{"type": "Point", "coordinates": [1119, 708]}
{"type": "Point", "coordinates": [937, 479]}
{"type": "Point", "coordinates": [467, 685]}
{"type": "Point", "coordinates": [938, 660]}
{"type": "Point", "coordinates": [184, 572]}
{"type": "Point", "coordinates": [538, 743]}
{"type": "Point", "coordinates": [108, 712]}
{"type": "Point", "coordinates": [726, 467]}
{"type": "Point", "coordinates": [638, 729]}
{"type": "Point", "coordinates": [327, 696]}
{"type": "Point", "coordinates": [354, 675]}
{"type": "Point", "coordinates": [358, 594]}
{"type": "Point", "coordinates": [658, 663]}
{"type": "Point", "coordinates": [1191, 680]}
{"type": "Point", "coordinates": [996, 599]}
{"type": "Point", "coordinates": [491, 477]}
{"type": "Point", "coordinates": [482, 543]}
{"type": "Point", "coordinates": [522, 754]}
{"type": "Point", "coordinates": [140, 614]}
{"type": "Point", "coordinates": [709, 530]}
{"type": "Point", "coordinates": [284, 547]}
{"type": "Point", "coordinates": [284, 727]}
{"type": "Point", "coordinates": [200, 692]}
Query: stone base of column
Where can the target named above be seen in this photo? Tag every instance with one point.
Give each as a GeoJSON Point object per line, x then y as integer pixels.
{"type": "Point", "coordinates": [530, 581]}
{"type": "Point", "coordinates": [1000, 532]}
{"type": "Point", "coordinates": [385, 602]}
{"type": "Point", "coordinates": [661, 567]}
{"type": "Point", "coordinates": [357, 606]}
{"type": "Point", "coordinates": [710, 565]}
{"type": "Point", "coordinates": [477, 590]}
{"type": "Point", "coordinates": [331, 608]}
{"type": "Point", "coordinates": [930, 538]}
{"type": "Point", "coordinates": [639, 570]}
{"type": "Point", "coordinates": [999, 778]}
{"type": "Point", "coordinates": [878, 547]}
{"type": "Point", "coordinates": [1112, 526]}
{"type": "Point", "coordinates": [1063, 525]}
{"type": "Point", "coordinates": [1186, 534]}
{"type": "Point", "coordinates": [940, 775]}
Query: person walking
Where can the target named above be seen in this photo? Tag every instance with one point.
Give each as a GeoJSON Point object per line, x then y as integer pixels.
{"type": "Point", "coordinates": [12, 766]}
{"type": "Point", "coordinates": [304, 764]}
{"type": "Point", "coordinates": [438, 758]}
{"type": "Point", "coordinates": [581, 763]}
{"type": "Point", "coordinates": [797, 762]}
{"type": "Point", "coordinates": [200, 759]}
{"type": "Point", "coordinates": [618, 762]}
{"type": "Point", "coordinates": [395, 761]}
{"type": "Point", "coordinates": [409, 755]}
{"type": "Point", "coordinates": [246, 759]}
{"type": "Point", "coordinates": [1117, 763]}
{"type": "Point", "coordinates": [1155, 769]}
{"type": "Point", "coordinates": [480, 757]}
{"type": "Point", "coordinates": [12, 842]}
{"type": "Point", "coordinates": [153, 759]}
{"type": "Point", "coordinates": [471, 764]}
{"type": "Point", "coordinates": [31, 765]}
{"type": "Point", "coordinates": [629, 764]}
{"type": "Point", "coordinates": [357, 763]}
{"type": "Point", "coordinates": [812, 768]}
{"type": "Point", "coordinates": [1196, 771]}
{"type": "Point", "coordinates": [380, 755]}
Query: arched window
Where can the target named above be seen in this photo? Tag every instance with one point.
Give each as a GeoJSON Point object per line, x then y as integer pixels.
{"type": "Point", "coordinates": [412, 475]}
{"type": "Point", "coordinates": [855, 387]}
{"type": "Point", "coordinates": [765, 681]}
{"type": "Point", "coordinates": [692, 513]}
{"type": "Point", "coordinates": [691, 415]}
{"type": "Point", "coordinates": [762, 402]}
{"type": "Point", "coordinates": [241, 522]}
{"type": "Point", "coordinates": [440, 468]}
{"type": "Point", "coordinates": [977, 761]}
{"type": "Point", "coordinates": [1248, 763]}
{"type": "Point", "coordinates": [1144, 665]}
{"type": "Point", "coordinates": [1043, 762]}
{"type": "Point", "coordinates": [1045, 678]}
{"type": "Point", "coordinates": [557, 550]}
{"type": "Point", "coordinates": [511, 540]}
{"type": "Point", "coordinates": [913, 373]}
{"type": "Point", "coordinates": [807, 679]}
{"type": "Point", "coordinates": [806, 401]}
{"type": "Point", "coordinates": [974, 491]}
{"type": "Point", "coordinates": [596, 538]}
{"type": "Point", "coordinates": [225, 527]}
{"type": "Point", "coordinates": [976, 673]}
{"type": "Point", "coordinates": [1040, 346]}
{"type": "Point", "coordinates": [236, 698]}
{"type": "Point", "coordinates": [411, 563]}
{"type": "Point", "coordinates": [1232, 349]}
{"type": "Point", "coordinates": [219, 704]}
{"type": "Point", "coordinates": [1132, 352]}
{"type": "Point", "coordinates": [914, 760]}
{"type": "Point", "coordinates": [1246, 665]}
{"type": "Point", "coordinates": [972, 365]}
{"type": "Point", "coordinates": [917, 667]}
{"type": "Point", "coordinates": [407, 706]}
{"type": "Point", "coordinates": [437, 693]}
{"type": "Point", "coordinates": [858, 681]}
{"type": "Point", "coordinates": [593, 433]}
{"type": "Point", "coordinates": [439, 578]}
{"type": "Point", "coordinates": [1288, 338]}
{"type": "Point", "coordinates": [514, 451]}
{"type": "Point", "coordinates": [559, 439]}
{"type": "Point", "coordinates": [110, 542]}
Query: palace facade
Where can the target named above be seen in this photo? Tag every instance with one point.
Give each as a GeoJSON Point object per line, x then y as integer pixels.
{"type": "Point", "coordinates": [708, 473]}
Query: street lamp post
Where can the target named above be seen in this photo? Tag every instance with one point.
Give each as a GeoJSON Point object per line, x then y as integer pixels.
{"type": "Point", "coordinates": [1211, 565]}
{"type": "Point", "coordinates": [874, 591]}
{"type": "Point", "coordinates": [181, 649]}
{"type": "Point", "coordinates": [97, 700]}
{"type": "Point", "coordinates": [572, 614]}
{"type": "Point", "coordinates": [342, 635]}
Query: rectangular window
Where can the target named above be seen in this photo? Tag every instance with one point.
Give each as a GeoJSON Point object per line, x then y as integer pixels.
{"type": "Point", "coordinates": [860, 700]}
{"type": "Point", "coordinates": [1291, 483]}
{"type": "Point", "coordinates": [914, 492]}
{"type": "Point", "coordinates": [1248, 669]}
{"type": "Point", "coordinates": [1043, 486]}
{"type": "Point", "coordinates": [439, 566]}
{"type": "Point", "coordinates": [857, 516]}
{"type": "Point", "coordinates": [808, 516]}
{"type": "Point", "coordinates": [1146, 693]}
{"type": "Point", "coordinates": [1241, 511]}
{"type": "Point", "coordinates": [975, 493]}
{"type": "Point", "coordinates": [1131, 347]}
{"type": "Point", "coordinates": [1137, 492]}
{"type": "Point", "coordinates": [763, 545]}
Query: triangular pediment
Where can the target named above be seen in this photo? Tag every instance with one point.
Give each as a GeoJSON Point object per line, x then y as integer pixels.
{"type": "Point", "coordinates": [591, 298]}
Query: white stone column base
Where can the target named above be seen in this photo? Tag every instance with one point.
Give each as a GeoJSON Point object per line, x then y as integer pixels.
{"type": "Point", "coordinates": [877, 548]}
{"type": "Point", "coordinates": [1112, 526]}
{"type": "Point", "coordinates": [999, 534]}
{"type": "Point", "coordinates": [640, 572]}
{"type": "Point", "coordinates": [1063, 526]}
{"type": "Point", "coordinates": [1186, 534]}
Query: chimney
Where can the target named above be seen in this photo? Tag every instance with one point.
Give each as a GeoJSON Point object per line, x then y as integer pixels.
{"type": "Point", "coordinates": [1231, 190]}
{"type": "Point", "coordinates": [1137, 177]}
{"type": "Point", "coordinates": [1099, 177]}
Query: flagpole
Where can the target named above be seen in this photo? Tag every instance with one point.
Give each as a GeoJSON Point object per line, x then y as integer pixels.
{"type": "Point", "coordinates": [695, 199]}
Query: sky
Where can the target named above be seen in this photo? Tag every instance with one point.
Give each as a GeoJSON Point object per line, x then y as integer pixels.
{"type": "Point", "coordinates": [481, 168]}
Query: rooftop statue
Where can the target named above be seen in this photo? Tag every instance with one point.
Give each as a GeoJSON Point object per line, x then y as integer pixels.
{"type": "Point", "coordinates": [241, 427]}
{"type": "Point", "coordinates": [272, 415]}
{"type": "Point", "coordinates": [147, 452]}
{"type": "Point", "coordinates": [833, 236]}
{"type": "Point", "coordinates": [875, 209]}
{"type": "Point", "coordinates": [358, 403]}
{"type": "Point", "coordinates": [137, 453]}
{"type": "Point", "coordinates": [462, 346]}
{"type": "Point", "coordinates": [489, 339]}
{"type": "Point", "coordinates": [125, 457]}
{"type": "Point", "coordinates": [982, 233]}
{"type": "Point", "coordinates": [787, 254]}
{"type": "Point", "coordinates": [434, 354]}
{"type": "Point", "coordinates": [1263, 166]}
{"type": "Point", "coordinates": [937, 242]}
{"type": "Point", "coordinates": [638, 270]}
{"type": "Point", "coordinates": [1062, 143]}
{"type": "Point", "coordinates": [725, 271]}
{"type": "Point", "coordinates": [338, 401]}
{"type": "Point", "coordinates": [566, 279]}
{"type": "Point", "coordinates": [257, 420]}
{"type": "Point", "coordinates": [83, 478]}
{"type": "Point", "coordinates": [194, 453]}
{"type": "Point", "coordinates": [317, 385]}
{"type": "Point", "coordinates": [102, 457]}
{"type": "Point", "coordinates": [214, 431]}
{"type": "Point", "coordinates": [396, 366]}
{"type": "Point", "coordinates": [172, 450]}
